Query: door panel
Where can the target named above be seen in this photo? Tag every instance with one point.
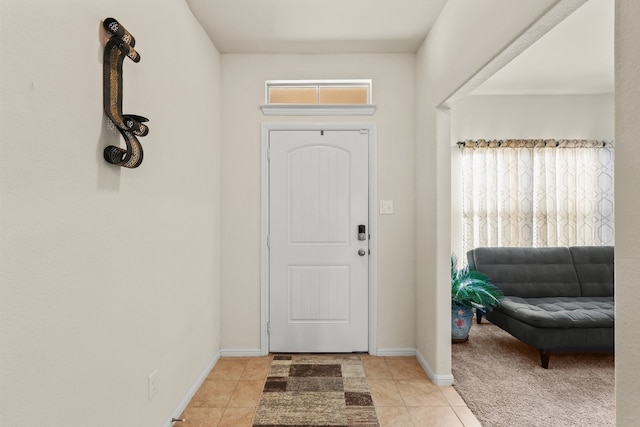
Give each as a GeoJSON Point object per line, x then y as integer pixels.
{"type": "Point", "coordinates": [318, 282]}
{"type": "Point", "coordinates": [318, 197]}
{"type": "Point", "coordinates": [318, 294]}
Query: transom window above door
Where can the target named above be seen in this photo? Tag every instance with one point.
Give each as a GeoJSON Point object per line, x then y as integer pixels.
{"type": "Point", "coordinates": [318, 97]}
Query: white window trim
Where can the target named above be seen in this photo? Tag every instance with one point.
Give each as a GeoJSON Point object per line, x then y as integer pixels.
{"type": "Point", "coordinates": [318, 109]}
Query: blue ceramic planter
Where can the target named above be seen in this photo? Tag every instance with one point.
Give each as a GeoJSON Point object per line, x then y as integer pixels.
{"type": "Point", "coordinates": [460, 323]}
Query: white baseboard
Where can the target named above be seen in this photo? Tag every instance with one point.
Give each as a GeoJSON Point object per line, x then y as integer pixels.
{"type": "Point", "coordinates": [440, 380]}
{"type": "Point", "coordinates": [389, 352]}
{"type": "Point", "coordinates": [196, 385]}
{"type": "Point", "coordinates": [192, 391]}
{"type": "Point", "coordinates": [230, 352]}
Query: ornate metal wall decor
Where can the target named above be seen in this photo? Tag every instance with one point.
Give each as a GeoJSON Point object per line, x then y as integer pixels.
{"type": "Point", "coordinates": [120, 45]}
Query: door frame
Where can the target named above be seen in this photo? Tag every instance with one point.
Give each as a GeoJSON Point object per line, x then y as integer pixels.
{"type": "Point", "coordinates": [373, 223]}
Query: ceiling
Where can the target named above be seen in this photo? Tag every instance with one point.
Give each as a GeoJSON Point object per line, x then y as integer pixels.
{"type": "Point", "coordinates": [575, 57]}
{"type": "Point", "coordinates": [312, 26]}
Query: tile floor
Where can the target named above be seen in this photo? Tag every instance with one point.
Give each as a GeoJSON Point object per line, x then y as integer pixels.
{"type": "Point", "coordinates": [402, 394]}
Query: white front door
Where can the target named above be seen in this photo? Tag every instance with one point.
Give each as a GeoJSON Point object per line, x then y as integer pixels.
{"type": "Point", "coordinates": [318, 204]}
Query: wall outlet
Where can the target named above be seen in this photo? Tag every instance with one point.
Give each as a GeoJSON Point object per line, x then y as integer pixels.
{"type": "Point", "coordinates": [153, 384]}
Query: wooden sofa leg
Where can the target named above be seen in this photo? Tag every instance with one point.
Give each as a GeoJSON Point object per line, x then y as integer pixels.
{"type": "Point", "coordinates": [544, 358]}
{"type": "Point", "coordinates": [478, 316]}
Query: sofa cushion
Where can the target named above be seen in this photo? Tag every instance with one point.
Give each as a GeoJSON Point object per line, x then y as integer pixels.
{"type": "Point", "coordinates": [594, 266]}
{"type": "Point", "coordinates": [561, 312]}
{"type": "Point", "coordinates": [528, 272]}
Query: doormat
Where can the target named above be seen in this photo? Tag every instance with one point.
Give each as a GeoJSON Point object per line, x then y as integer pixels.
{"type": "Point", "coordinates": [316, 390]}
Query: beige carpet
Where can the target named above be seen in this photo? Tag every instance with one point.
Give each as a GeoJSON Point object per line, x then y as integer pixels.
{"type": "Point", "coordinates": [316, 390]}
{"type": "Point", "coordinates": [503, 383]}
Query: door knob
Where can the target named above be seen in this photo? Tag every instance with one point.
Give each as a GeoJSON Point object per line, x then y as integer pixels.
{"type": "Point", "coordinates": [362, 252]}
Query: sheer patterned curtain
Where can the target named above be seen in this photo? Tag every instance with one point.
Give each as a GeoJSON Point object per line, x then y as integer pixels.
{"type": "Point", "coordinates": [537, 193]}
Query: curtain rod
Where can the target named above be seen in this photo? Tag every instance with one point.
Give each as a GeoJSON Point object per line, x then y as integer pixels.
{"type": "Point", "coordinates": [531, 143]}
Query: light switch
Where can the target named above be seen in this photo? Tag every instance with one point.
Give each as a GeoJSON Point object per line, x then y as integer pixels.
{"type": "Point", "coordinates": [386, 207]}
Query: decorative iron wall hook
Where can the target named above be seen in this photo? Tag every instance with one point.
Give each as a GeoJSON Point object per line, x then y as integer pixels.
{"type": "Point", "coordinates": [120, 45]}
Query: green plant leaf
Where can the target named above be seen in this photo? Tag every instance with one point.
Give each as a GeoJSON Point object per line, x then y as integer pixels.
{"type": "Point", "coordinates": [471, 288]}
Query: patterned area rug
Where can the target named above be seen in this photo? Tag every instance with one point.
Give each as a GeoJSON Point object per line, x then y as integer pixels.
{"type": "Point", "coordinates": [316, 390]}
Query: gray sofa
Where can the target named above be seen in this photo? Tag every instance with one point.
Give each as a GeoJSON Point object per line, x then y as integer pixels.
{"type": "Point", "coordinates": [556, 299]}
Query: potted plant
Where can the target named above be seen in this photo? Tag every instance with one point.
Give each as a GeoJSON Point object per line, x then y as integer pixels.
{"type": "Point", "coordinates": [469, 289]}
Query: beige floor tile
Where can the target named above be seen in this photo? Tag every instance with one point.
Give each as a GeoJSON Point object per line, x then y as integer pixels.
{"type": "Point", "coordinates": [400, 357]}
{"type": "Point", "coordinates": [213, 394]}
{"type": "Point", "coordinates": [228, 369]}
{"type": "Point", "coordinates": [246, 394]}
{"type": "Point", "coordinates": [385, 393]}
{"type": "Point", "coordinates": [394, 416]}
{"type": "Point", "coordinates": [420, 393]}
{"type": "Point", "coordinates": [365, 356]}
{"type": "Point", "coordinates": [202, 417]}
{"type": "Point", "coordinates": [376, 368]}
{"type": "Point", "coordinates": [237, 417]}
{"type": "Point", "coordinates": [438, 416]}
{"type": "Point", "coordinates": [256, 369]}
{"type": "Point", "coordinates": [406, 368]}
{"type": "Point", "coordinates": [452, 396]}
{"type": "Point", "coordinates": [466, 416]}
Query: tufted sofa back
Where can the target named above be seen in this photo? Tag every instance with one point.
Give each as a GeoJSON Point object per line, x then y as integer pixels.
{"type": "Point", "coordinates": [547, 272]}
{"type": "Point", "coordinates": [594, 266]}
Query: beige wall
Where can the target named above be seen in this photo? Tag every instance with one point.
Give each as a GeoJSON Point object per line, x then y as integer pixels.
{"type": "Point", "coordinates": [627, 206]}
{"type": "Point", "coordinates": [106, 274]}
{"type": "Point", "coordinates": [243, 92]}
{"type": "Point", "coordinates": [533, 116]}
{"type": "Point", "coordinates": [451, 55]}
